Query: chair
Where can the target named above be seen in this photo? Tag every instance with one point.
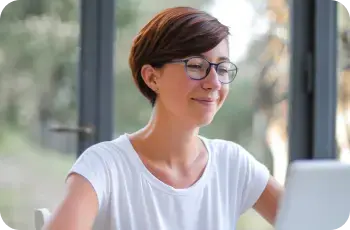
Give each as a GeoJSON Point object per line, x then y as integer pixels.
{"type": "Point", "coordinates": [41, 216]}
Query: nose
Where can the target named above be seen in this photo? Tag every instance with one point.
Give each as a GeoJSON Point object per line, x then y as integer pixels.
{"type": "Point", "coordinates": [211, 82]}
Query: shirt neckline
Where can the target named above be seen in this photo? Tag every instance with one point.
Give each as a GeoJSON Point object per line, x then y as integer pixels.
{"type": "Point", "coordinates": [160, 185]}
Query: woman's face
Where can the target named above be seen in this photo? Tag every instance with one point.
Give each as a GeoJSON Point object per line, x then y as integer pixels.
{"type": "Point", "coordinates": [193, 101]}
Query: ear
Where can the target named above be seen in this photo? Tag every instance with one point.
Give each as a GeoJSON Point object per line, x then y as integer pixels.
{"type": "Point", "coordinates": [150, 76]}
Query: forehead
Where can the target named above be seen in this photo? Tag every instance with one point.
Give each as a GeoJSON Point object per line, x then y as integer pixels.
{"type": "Point", "coordinates": [218, 53]}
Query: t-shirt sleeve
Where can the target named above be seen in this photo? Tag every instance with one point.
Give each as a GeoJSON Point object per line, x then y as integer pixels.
{"type": "Point", "coordinates": [254, 181]}
{"type": "Point", "coordinates": [93, 166]}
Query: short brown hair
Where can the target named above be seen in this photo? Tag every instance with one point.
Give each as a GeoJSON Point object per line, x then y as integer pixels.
{"type": "Point", "coordinates": [173, 33]}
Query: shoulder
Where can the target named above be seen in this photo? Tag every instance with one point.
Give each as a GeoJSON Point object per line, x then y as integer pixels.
{"type": "Point", "coordinates": [248, 176]}
{"type": "Point", "coordinates": [224, 150]}
{"type": "Point", "coordinates": [106, 151]}
{"type": "Point", "coordinates": [101, 158]}
{"type": "Point", "coordinates": [234, 157]}
{"type": "Point", "coordinates": [98, 163]}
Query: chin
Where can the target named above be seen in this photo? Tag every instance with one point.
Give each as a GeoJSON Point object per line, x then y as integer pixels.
{"type": "Point", "coordinates": [204, 121]}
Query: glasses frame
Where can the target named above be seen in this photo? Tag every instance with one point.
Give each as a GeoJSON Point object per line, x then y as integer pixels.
{"type": "Point", "coordinates": [215, 65]}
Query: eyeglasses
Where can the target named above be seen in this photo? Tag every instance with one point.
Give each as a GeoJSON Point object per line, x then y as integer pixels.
{"type": "Point", "coordinates": [198, 68]}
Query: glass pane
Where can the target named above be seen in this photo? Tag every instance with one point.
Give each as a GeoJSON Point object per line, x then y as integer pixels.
{"type": "Point", "coordinates": [38, 66]}
{"type": "Point", "coordinates": [343, 107]}
{"type": "Point", "coordinates": [255, 114]}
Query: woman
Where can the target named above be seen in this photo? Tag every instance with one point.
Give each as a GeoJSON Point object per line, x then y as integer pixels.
{"type": "Point", "coordinates": [166, 176]}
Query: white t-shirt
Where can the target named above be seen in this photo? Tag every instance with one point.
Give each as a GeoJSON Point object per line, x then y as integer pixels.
{"type": "Point", "coordinates": [131, 198]}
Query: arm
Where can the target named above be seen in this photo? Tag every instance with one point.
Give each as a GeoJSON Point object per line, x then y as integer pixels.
{"type": "Point", "coordinates": [260, 190]}
{"type": "Point", "coordinates": [267, 204]}
{"type": "Point", "coordinates": [78, 209]}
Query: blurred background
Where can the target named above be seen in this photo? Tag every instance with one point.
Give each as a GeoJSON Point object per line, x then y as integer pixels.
{"type": "Point", "coordinates": [39, 65]}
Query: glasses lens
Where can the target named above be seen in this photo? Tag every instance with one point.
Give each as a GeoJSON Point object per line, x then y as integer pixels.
{"type": "Point", "coordinates": [197, 68]}
{"type": "Point", "coordinates": [226, 71]}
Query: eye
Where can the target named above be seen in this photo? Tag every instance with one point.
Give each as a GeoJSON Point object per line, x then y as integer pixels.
{"type": "Point", "coordinates": [225, 68]}
{"type": "Point", "coordinates": [194, 66]}
{"type": "Point", "coordinates": [196, 63]}
{"type": "Point", "coordinates": [222, 70]}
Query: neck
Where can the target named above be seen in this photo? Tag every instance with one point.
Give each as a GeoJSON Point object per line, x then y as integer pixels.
{"type": "Point", "coordinates": [170, 140]}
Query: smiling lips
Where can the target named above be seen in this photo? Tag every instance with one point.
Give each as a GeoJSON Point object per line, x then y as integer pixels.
{"type": "Point", "coordinates": [205, 100]}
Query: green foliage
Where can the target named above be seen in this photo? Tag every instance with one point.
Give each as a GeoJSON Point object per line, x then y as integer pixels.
{"type": "Point", "coordinates": [39, 57]}
{"type": "Point", "coordinates": [21, 10]}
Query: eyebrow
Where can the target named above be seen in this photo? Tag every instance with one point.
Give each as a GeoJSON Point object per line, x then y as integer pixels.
{"type": "Point", "coordinates": [222, 58]}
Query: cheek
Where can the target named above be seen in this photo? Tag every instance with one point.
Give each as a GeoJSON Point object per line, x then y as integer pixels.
{"type": "Point", "coordinates": [224, 93]}
{"type": "Point", "coordinates": [181, 90]}
{"type": "Point", "coordinates": [178, 84]}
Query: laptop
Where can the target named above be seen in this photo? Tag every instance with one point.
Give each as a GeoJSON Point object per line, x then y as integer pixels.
{"type": "Point", "coordinates": [317, 196]}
